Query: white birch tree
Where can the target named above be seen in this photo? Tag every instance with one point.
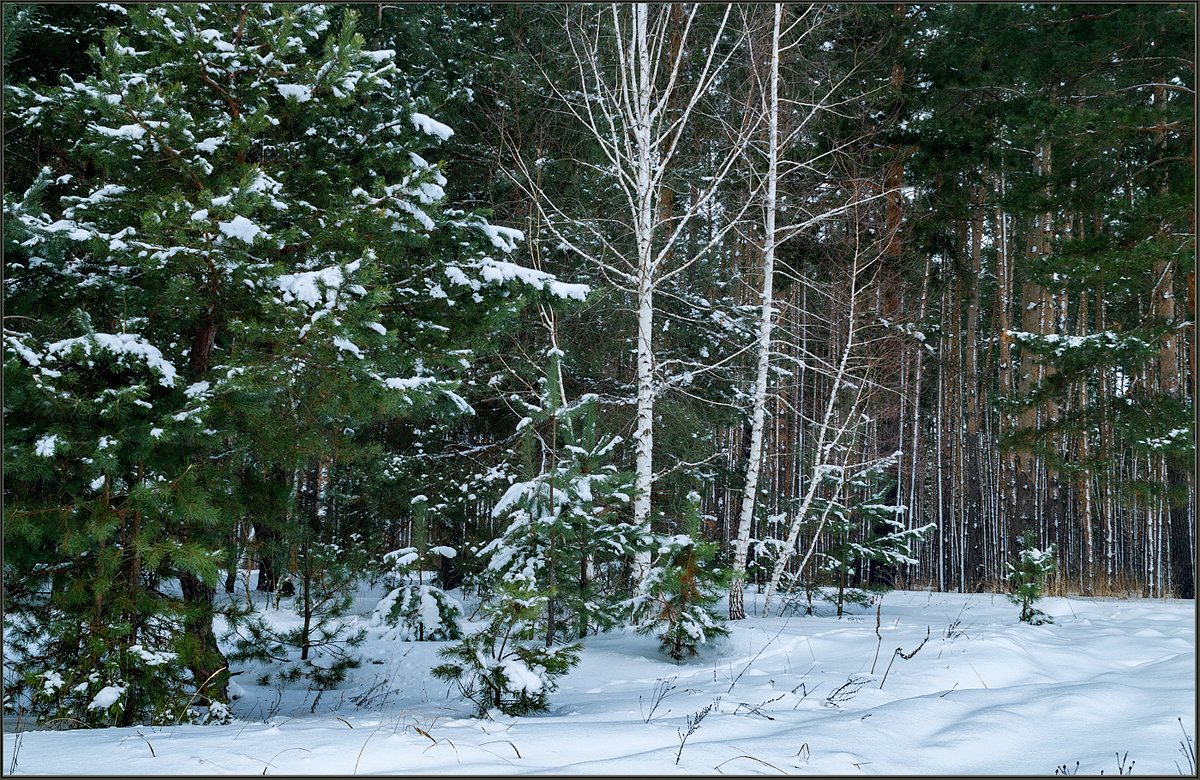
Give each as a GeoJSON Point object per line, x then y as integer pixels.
{"type": "Point", "coordinates": [849, 389]}
{"type": "Point", "coordinates": [637, 94]}
{"type": "Point", "coordinates": [799, 32]}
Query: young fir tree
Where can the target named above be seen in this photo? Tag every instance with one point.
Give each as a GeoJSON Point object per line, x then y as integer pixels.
{"type": "Point", "coordinates": [415, 609]}
{"type": "Point", "coordinates": [862, 528]}
{"type": "Point", "coordinates": [322, 581]}
{"type": "Point", "coordinates": [675, 600]}
{"type": "Point", "coordinates": [1028, 578]}
{"type": "Point", "coordinates": [238, 207]}
{"type": "Point", "coordinates": [556, 572]}
{"type": "Point", "coordinates": [320, 650]}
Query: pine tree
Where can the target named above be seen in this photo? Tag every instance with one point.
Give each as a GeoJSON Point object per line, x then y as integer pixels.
{"type": "Point", "coordinates": [1115, 255]}
{"type": "Point", "coordinates": [568, 529]}
{"type": "Point", "coordinates": [93, 490]}
{"type": "Point", "coordinates": [241, 206]}
{"type": "Point", "coordinates": [862, 529]}
{"type": "Point", "coordinates": [676, 598]}
{"type": "Point", "coordinates": [320, 650]}
{"type": "Point", "coordinates": [558, 570]}
{"type": "Point", "coordinates": [1028, 578]}
{"type": "Point", "coordinates": [417, 610]}
{"type": "Point", "coordinates": [505, 665]}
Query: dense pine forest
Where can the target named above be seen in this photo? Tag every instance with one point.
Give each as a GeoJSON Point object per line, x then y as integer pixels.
{"type": "Point", "coordinates": [607, 315]}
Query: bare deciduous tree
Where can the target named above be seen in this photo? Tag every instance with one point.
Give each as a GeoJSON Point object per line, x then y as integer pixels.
{"type": "Point", "coordinates": [639, 87]}
{"type": "Point", "coordinates": [814, 171]}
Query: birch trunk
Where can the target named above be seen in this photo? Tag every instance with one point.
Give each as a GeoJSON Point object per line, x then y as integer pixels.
{"type": "Point", "coordinates": [737, 610]}
{"type": "Point", "coordinates": [918, 353]}
{"type": "Point", "coordinates": [644, 192]}
{"type": "Point", "coordinates": [1085, 480]}
{"type": "Point", "coordinates": [831, 432]}
{"type": "Point", "coordinates": [637, 113]}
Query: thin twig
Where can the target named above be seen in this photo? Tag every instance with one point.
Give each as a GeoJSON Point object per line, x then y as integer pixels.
{"type": "Point", "coordinates": [755, 658]}
{"type": "Point", "coordinates": [364, 747]}
{"type": "Point", "coordinates": [752, 758]}
{"type": "Point", "coordinates": [878, 608]}
{"type": "Point", "coordinates": [907, 657]}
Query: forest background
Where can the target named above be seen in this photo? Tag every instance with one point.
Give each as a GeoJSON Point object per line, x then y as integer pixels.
{"type": "Point", "coordinates": [861, 295]}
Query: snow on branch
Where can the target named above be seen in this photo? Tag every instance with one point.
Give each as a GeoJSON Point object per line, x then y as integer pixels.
{"type": "Point", "coordinates": [124, 346]}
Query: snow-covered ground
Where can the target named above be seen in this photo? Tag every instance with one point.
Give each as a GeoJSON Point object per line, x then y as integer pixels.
{"type": "Point", "coordinates": [1106, 685]}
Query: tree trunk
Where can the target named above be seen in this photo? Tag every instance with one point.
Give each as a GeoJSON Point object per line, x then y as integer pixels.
{"type": "Point", "coordinates": [737, 609]}
{"type": "Point", "coordinates": [231, 571]}
{"type": "Point", "coordinates": [1088, 564]}
{"type": "Point", "coordinates": [265, 538]}
{"type": "Point", "coordinates": [1005, 367]}
{"type": "Point", "coordinates": [306, 577]}
{"type": "Point", "coordinates": [1034, 318]}
{"type": "Point", "coordinates": [1182, 537]}
{"type": "Point", "coordinates": [645, 220]}
{"type": "Point", "coordinates": [973, 576]}
{"type": "Point", "coordinates": [204, 659]}
{"type": "Point", "coordinates": [210, 671]}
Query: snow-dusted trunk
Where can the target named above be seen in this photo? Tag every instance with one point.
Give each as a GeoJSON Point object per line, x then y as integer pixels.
{"type": "Point", "coordinates": [637, 114]}
{"type": "Point", "coordinates": [737, 609]}
{"type": "Point", "coordinates": [644, 432]}
{"type": "Point", "coordinates": [639, 66]}
{"type": "Point", "coordinates": [1085, 479]}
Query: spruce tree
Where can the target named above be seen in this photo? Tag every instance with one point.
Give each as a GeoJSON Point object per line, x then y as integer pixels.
{"type": "Point", "coordinates": [560, 567]}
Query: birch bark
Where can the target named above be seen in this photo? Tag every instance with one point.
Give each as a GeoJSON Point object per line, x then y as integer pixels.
{"type": "Point", "coordinates": [636, 108]}
{"type": "Point", "coordinates": [737, 610]}
{"type": "Point", "coordinates": [644, 432]}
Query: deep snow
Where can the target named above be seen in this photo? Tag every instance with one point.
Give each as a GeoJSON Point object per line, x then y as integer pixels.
{"type": "Point", "coordinates": [985, 694]}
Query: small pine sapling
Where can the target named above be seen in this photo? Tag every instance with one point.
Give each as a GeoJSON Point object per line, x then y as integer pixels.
{"type": "Point", "coordinates": [863, 528]}
{"type": "Point", "coordinates": [110, 685]}
{"type": "Point", "coordinates": [550, 574]}
{"type": "Point", "coordinates": [506, 666]}
{"type": "Point", "coordinates": [1028, 578]}
{"type": "Point", "coordinates": [415, 609]}
{"type": "Point", "coordinates": [676, 597]}
{"type": "Point", "coordinates": [568, 526]}
{"type": "Point", "coordinates": [325, 580]}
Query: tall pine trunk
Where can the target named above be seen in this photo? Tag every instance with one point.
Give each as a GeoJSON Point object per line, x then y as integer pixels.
{"type": "Point", "coordinates": [973, 562]}
{"type": "Point", "coordinates": [204, 658]}
{"type": "Point", "coordinates": [206, 662]}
